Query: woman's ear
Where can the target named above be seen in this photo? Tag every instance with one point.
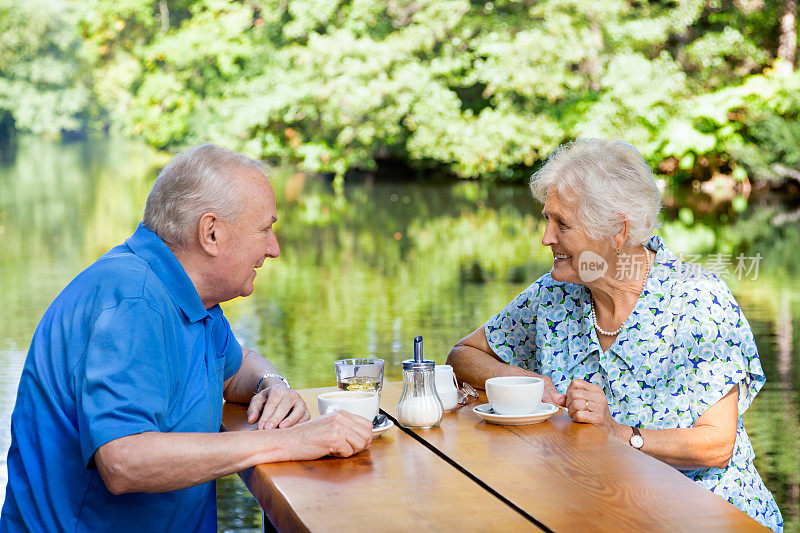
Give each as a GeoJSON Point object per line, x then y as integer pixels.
{"type": "Point", "coordinates": [208, 234]}
{"type": "Point", "coordinates": [622, 236]}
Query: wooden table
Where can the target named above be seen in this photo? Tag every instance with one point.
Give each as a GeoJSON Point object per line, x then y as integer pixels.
{"type": "Point", "coordinates": [467, 475]}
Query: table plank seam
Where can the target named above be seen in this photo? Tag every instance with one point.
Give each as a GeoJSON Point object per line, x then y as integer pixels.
{"type": "Point", "coordinates": [469, 475]}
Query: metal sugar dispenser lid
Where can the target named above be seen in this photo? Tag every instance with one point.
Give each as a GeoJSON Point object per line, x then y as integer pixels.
{"type": "Point", "coordinates": [418, 363]}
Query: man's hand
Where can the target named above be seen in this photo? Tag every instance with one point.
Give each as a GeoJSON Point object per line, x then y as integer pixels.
{"type": "Point", "coordinates": [340, 434]}
{"type": "Point", "coordinates": [277, 406]}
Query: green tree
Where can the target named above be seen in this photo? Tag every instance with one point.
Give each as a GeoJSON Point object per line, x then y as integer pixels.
{"type": "Point", "coordinates": [42, 88]}
{"type": "Point", "coordinates": [704, 88]}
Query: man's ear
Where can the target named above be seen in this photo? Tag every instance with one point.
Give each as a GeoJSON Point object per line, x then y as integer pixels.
{"type": "Point", "coordinates": [208, 234]}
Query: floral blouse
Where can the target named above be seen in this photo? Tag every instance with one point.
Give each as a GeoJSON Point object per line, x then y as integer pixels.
{"type": "Point", "coordinates": [684, 346]}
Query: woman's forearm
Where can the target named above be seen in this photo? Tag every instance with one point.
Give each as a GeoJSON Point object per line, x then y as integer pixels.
{"type": "Point", "coordinates": [474, 361]}
{"type": "Point", "coordinates": [476, 366]}
{"type": "Point", "coordinates": [707, 444]}
{"type": "Point", "coordinates": [685, 448]}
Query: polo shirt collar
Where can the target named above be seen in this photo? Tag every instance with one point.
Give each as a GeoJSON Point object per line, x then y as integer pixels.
{"type": "Point", "coordinates": [149, 246]}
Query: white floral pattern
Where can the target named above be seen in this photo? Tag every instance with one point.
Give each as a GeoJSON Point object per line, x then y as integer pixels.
{"type": "Point", "coordinates": [684, 346]}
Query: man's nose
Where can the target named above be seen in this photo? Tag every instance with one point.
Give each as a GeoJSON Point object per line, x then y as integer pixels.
{"type": "Point", "coordinates": [273, 248]}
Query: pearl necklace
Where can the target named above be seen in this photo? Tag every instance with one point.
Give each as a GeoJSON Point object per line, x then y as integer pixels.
{"type": "Point", "coordinates": [594, 314]}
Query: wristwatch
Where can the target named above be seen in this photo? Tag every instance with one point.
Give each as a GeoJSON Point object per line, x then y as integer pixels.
{"type": "Point", "coordinates": [636, 439]}
{"type": "Point", "coordinates": [265, 376]}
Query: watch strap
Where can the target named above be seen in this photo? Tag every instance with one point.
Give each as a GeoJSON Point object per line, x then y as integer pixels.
{"type": "Point", "coordinates": [636, 439]}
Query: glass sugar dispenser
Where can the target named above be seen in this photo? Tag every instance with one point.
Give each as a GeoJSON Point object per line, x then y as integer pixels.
{"type": "Point", "coordinates": [419, 406]}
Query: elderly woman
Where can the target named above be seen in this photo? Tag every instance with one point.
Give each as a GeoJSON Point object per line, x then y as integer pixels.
{"type": "Point", "coordinates": [625, 335]}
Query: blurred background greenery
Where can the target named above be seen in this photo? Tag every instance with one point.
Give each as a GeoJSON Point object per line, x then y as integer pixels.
{"type": "Point", "coordinates": [706, 89]}
{"type": "Point", "coordinates": [402, 133]}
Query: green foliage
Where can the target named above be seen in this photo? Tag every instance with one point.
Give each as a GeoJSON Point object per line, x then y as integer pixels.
{"type": "Point", "coordinates": [479, 89]}
{"type": "Point", "coordinates": [41, 85]}
{"type": "Point", "coordinates": [754, 124]}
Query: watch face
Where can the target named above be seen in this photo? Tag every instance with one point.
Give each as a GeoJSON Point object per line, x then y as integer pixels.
{"type": "Point", "coordinates": [637, 441]}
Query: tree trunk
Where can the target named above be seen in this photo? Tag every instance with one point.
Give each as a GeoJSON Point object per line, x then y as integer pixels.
{"type": "Point", "coordinates": [164, 10]}
{"type": "Point", "coordinates": [787, 44]}
{"type": "Point", "coordinates": [783, 339]}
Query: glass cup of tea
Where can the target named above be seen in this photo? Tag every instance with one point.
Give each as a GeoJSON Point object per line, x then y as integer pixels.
{"type": "Point", "coordinates": [359, 374]}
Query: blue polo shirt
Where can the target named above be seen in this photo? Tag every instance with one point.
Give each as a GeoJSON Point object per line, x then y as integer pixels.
{"type": "Point", "coordinates": [127, 347]}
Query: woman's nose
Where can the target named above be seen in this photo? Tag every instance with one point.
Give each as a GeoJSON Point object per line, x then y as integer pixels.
{"type": "Point", "coordinates": [549, 238]}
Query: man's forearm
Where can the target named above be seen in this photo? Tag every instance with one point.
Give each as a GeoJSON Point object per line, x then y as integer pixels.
{"type": "Point", "coordinates": [241, 386]}
{"type": "Point", "coordinates": [160, 462]}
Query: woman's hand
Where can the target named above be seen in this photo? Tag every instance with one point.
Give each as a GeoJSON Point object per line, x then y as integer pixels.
{"type": "Point", "coordinates": [587, 403]}
{"type": "Point", "coordinates": [551, 394]}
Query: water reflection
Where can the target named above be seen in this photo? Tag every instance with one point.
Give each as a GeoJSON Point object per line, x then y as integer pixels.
{"type": "Point", "coordinates": [361, 276]}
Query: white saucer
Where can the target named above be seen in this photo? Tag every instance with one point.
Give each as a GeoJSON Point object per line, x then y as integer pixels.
{"type": "Point", "coordinates": [380, 430]}
{"type": "Point", "coordinates": [545, 411]}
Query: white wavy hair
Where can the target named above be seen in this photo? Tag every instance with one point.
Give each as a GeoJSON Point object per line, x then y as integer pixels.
{"type": "Point", "coordinates": [194, 182]}
{"type": "Point", "coordinates": [604, 181]}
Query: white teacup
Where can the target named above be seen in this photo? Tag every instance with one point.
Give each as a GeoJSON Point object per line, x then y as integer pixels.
{"type": "Point", "coordinates": [361, 403]}
{"type": "Point", "coordinates": [514, 395]}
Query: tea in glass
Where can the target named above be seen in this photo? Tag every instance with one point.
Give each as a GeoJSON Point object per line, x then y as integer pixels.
{"type": "Point", "coordinates": [359, 374]}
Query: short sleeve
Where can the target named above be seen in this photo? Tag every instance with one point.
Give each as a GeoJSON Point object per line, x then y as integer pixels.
{"type": "Point", "coordinates": [722, 352]}
{"type": "Point", "coordinates": [511, 332]}
{"type": "Point", "coordinates": [122, 382]}
{"type": "Point", "coordinates": [227, 346]}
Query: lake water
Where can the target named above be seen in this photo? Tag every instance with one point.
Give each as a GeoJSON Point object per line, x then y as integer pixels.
{"type": "Point", "coordinates": [363, 274]}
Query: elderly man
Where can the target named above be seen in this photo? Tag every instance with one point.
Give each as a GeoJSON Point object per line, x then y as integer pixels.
{"type": "Point", "coordinates": [116, 424]}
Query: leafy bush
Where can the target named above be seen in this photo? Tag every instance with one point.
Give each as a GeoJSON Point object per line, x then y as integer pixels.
{"type": "Point", "coordinates": [478, 89]}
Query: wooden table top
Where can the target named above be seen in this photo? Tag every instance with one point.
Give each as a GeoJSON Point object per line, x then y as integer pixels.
{"type": "Point", "coordinates": [395, 485]}
{"type": "Point", "coordinates": [468, 475]}
{"type": "Point", "coordinates": [574, 477]}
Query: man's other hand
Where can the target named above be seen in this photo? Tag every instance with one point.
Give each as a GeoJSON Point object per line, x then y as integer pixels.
{"type": "Point", "coordinates": [277, 406]}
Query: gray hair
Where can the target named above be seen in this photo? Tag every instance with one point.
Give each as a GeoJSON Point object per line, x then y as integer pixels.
{"type": "Point", "coordinates": [194, 182]}
{"type": "Point", "coordinates": [604, 181]}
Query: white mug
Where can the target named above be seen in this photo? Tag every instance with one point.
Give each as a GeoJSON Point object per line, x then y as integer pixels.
{"type": "Point", "coordinates": [446, 386]}
{"type": "Point", "coordinates": [514, 395]}
{"type": "Point", "coordinates": [361, 403]}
